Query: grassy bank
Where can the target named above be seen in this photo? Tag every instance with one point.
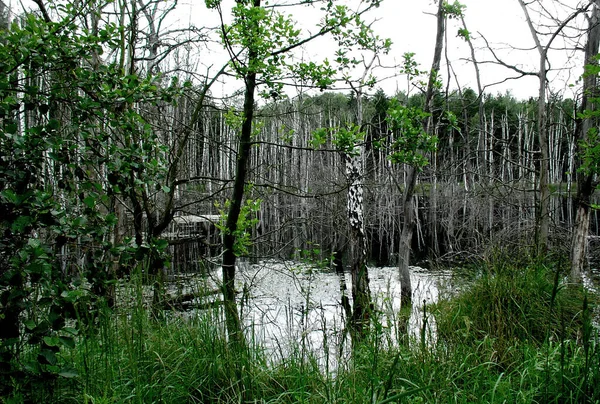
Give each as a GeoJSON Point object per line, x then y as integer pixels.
{"type": "Point", "coordinates": [517, 333]}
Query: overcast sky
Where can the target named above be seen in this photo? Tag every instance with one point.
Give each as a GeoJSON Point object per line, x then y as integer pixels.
{"type": "Point", "coordinates": [411, 25]}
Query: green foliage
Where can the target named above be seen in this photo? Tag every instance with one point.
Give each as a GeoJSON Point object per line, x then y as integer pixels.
{"type": "Point", "coordinates": [319, 137]}
{"type": "Point", "coordinates": [345, 139]}
{"type": "Point", "coordinates": [416, 77]}
{"type": "Point", "coordinates": [322, 75]}
{"type": "Point", "coordinates": [260, 31]}
{"type": "Point", "coordinates": [454, 10]}
{"type": "Point", "coordinates": [286, 134]}
{"type": "Point", "coordinates": [71, 144]}
{"type": "Point", "coordinates": [265, 37]}
{"type": "Point", "coordinates": [590, 153]}
{"type": "Point", "coordinates": [411, 142]}
{"type": "Point", "coordinates": [233, 119]}
{"type": "Point", "coordinates": [37, 297]}
{"type": "Point", "coordinates": [410, 66]}
{"type": "Point", "coordinates": [313, 257]}
{"type": "Point", "coordinates": [247, 221]}
{"type": "Point", "coordinates": [589, 146]}
{"type": "Point", "coordinates": [464, 33]}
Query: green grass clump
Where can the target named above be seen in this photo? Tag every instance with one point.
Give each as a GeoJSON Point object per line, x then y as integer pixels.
{"type": "Point", "coordinates": [508, 303]}
{"type": "Point", "coordinates": [528, 325]}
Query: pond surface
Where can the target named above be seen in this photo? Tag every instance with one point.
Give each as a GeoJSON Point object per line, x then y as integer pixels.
{"type": "Point", "coordinates": [288, 306]}
{"type": "Point", "coordinates": [291, 308]}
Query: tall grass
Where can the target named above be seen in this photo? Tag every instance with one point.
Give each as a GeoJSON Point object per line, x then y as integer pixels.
{"type": "Point", "coordinates": [528, 320]}
{"type": "Point", "coordinates": [517, 334]}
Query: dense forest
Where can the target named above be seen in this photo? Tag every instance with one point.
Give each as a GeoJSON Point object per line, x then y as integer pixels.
{"type": "Point", "coordinates": [122, 163]}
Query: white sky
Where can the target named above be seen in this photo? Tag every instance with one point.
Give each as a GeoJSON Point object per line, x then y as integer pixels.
{"type": "Point", "coordinates": [411, 25]}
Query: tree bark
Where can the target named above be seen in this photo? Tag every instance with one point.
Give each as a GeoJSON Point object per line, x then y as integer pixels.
{"type": "Point", "coordinates": [361, 293]}
{"type": "Point", "coordinates": [585, 187]}
{"type": "Point", "coordinates": [543, 219]}
{"type": "Point", "coordinates": [411, 178]}
{"type": "Point", "coordinates": [232, 319]}
{"type": "Point", "coordinates": [406, 238]}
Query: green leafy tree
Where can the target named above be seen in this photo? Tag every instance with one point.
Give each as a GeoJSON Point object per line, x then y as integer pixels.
{"type": "Point", "coordinates": [47, 203]}
{"type": "Point", "coordinates": [71, 145]}
{"type": "Point", "coordinates": [588, 147]}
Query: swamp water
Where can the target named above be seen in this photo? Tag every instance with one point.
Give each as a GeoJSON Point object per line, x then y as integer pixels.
{"type": "Point", "coordinates": [290, 307]}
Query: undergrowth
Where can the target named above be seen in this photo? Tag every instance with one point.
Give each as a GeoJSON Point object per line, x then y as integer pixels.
{"type": "Point", "coordinates": [518, 333]}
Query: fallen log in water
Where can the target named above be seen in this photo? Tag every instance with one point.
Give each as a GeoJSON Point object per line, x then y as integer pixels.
{"type": "Point", "coordinates": [186, 301]}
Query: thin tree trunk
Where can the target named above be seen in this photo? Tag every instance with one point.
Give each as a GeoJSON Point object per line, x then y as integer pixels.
{"type": "Point", "coordinates": [543, 219]}
{"type": "Point", "coordinates": [232, 319]}
{"type": "Point", "coordinates": [406, 238]}
{"type": "Point", "coordinates": [411, 180]}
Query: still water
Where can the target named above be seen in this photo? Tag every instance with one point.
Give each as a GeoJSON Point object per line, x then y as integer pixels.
{"type": "Point", "coordinates": [290, 307]}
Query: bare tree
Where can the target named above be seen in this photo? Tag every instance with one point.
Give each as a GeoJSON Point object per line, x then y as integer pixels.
{"type": "Point", "coordinates": [543, 217]}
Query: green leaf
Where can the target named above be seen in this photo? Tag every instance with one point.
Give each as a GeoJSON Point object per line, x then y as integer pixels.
{"type": "Point", "coordinates": [68, 372]}
{"type": "Point", "coordinates": [90, 202]}
{"type": "Point", "coordinates": [11, 196]}
{"type": "Point", "coordinates": [53, 124]}
{"type": "Point", "coordinates": [34, 243]}
{"type": "Point", "coordinates": [162, 244]}
{"type": "Point", "coordinates": [29, 324]}
{"type": "Point", "coordinates": [47, 357]}
{"type": "Point", "coordinates": [69, 342]}
{"type": "Point", "coordinates": [21, 223]}
{"type": "Point", "coordinates": [70, 330]}
{"type": "Point", "coordinates": [11, 128]}
{"type": "Point", "coordinates": [52, 341]}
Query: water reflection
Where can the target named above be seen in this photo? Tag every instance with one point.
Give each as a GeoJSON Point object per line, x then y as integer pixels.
{"type": "Point", "coordinates": [288, 306]}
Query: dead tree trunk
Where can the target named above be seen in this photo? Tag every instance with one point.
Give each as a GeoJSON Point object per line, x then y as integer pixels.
{"type": "Point", "coordinates": [585, 186]}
